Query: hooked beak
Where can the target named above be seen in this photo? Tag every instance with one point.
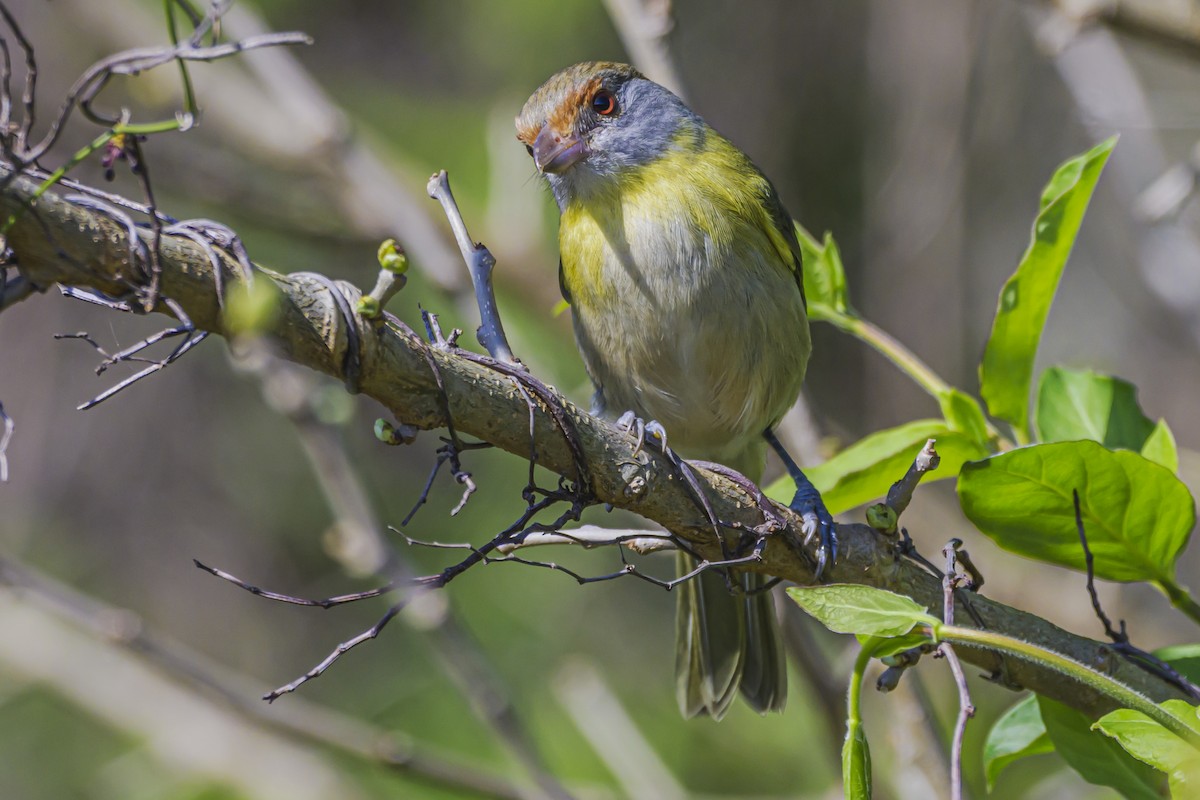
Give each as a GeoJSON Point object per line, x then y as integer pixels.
{"type": "Point", "coordinates": [554, 153]}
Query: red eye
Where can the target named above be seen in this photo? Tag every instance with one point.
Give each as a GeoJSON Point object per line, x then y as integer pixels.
{"type": "Point", "coordinates": [604, 104]}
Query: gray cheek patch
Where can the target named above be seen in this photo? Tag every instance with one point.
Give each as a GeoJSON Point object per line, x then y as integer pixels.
{"type": "Point", "coordinates": [646, 128]}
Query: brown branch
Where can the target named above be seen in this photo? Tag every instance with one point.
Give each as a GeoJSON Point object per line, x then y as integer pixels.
{"type": "Point", "coordinates": [56, 242]}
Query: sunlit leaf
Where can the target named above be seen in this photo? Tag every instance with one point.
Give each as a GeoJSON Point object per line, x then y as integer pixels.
{"type": "Point", "coordinates": [824, 276]}
{"type": "Point", "coordinates": [1087, 405]}
{"type": "Point", "coordinates": [1160, 447]}
{"type": "Point", "coordinates": [864, 610]}
{"type": "Point", "coordinates": [1006, 373]}
{"type": "Point", "coordinates": [963, 414]}
{"type": "Point", "coordinates": [1095, 757]}
{"type": "Point", "coordinates": [1137, 514]}
{"type": "Point", "coordinates": [1151, 743]}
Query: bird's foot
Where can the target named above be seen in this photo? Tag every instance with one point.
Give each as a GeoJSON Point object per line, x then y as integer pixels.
{"type": "Point", "coordinates": [816, 521]}
{"type": "Point", "coordinates": [654, 433]}
{"type": "Point", "coordinates": [815, 518]}
{"type": "Point", "coordinates": [637, 427]}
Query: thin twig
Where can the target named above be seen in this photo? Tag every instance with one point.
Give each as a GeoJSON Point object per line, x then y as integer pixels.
{"type": "Point", "coordinates": [966, 709]}
{"type": "Point", "coordinates": [1109, 631]}
{"type": "Point", "coordinates": [1120, 638]}
{"type": "Point", "coordinates": [140, 59]}
{"type": "Point", "coordinates": [642, 542]}
{"type": "Point", "coordinates": [901, 493]}
{"type": "Point", "coordinates": [462, 655]}
{"type": "Point", "coordinates": [300, 719]}
{"type": "Point", "coordinates": [484, 405]}
{"type": "Point", "coordinates": [480, 263]}
{"type": "Point", "coordinates": [31, 72]}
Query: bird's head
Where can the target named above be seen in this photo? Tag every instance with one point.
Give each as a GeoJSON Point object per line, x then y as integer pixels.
{"type": "Point", "coordinates": [594, 121]}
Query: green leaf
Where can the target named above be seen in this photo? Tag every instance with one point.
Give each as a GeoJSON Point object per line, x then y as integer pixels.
{"type": "Point", "coordinates": [866, 470]}
{"type": "Point", "coordinates": [963, 414]}
{"type": "Point", "coordinates": [1160, 447]}
{"type": "Point", "coordinates": [1006, 372]}
{"type": "Point", "coordinates": [1151, 743]}
{"type": "Point", "coordinates": [1018, 733]}
{"type": "Point", "coordinates": [1095, 757]}
{"type": "Point", "coordinates": [882, 648]}
{"type": "Point", "coordinates": [856, 763]}
{"type": "Point", "coordinates": [1087, 405]}
{"type": "Point", "coordinates": [1185, 658]}
{"type": "Point", "coordinates": [824, 277]}
{"type": "Point", "coordinates": [864, 610]}
{"type": "Point", "coordinates": [1136, 513]}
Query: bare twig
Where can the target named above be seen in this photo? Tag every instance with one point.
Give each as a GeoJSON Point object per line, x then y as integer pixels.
{"type": "Point", "coordinates": [300, 719]}
{"type": "Point", "coordinates": [464, 659]}
{"type": "Point", "coordinates": [901, 493]}
{"type": "Point", "coordinates": [90, 250]}
{"type": "Point", "coordinates": [480, 263]}
{"type": "Point", "coordinates": [966, 709]}
{"type": "Point", "coordinates": [27, 95]}
{"type": "Point", "coordinates": [642, 542]}
{"type": "Point", "coordinates": [1109, 631]}
{"type": "Point", "coordinates": [192, 338]}
{"type": "Point", "coordinates": [328, 602]}
{"type": "Point", "coordinates": [1120, 638]}
{"type": "Point", "coordinates": [134, 61]}
{"type": "Point", "coordinates": [339, 651]}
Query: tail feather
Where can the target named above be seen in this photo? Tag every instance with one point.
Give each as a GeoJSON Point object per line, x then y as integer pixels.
{"type": "Point", "coordinates": [725, 642]}
{"type": "Point", "coordinates": [764, 668]}
{"type": "Point", "coordinates": [710, 638]}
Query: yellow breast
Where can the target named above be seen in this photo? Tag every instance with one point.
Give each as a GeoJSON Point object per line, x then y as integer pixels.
{"type": "Point", "coordinates": [653, 218]}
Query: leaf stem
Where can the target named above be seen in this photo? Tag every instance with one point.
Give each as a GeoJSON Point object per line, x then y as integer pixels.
{"type": "Point", "coordinates": [1089, 677]}
{"type": "Point", "coordinates": [854, 698]}
{"type": "Point", "coordinates": [1181, 599]}
{"type": "Point", "coordinates": [905, 360]}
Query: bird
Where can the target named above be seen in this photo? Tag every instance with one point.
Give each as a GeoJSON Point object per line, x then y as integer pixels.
{"type": "Point", "coordinates": [683, 274]}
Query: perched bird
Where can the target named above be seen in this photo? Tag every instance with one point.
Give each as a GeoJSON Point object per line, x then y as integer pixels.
{"type": "Point", "coordinates": [683, 274]}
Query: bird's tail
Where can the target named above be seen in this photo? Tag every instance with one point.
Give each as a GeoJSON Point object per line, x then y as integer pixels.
{"type": "Point", "coordinates": [725, 642]}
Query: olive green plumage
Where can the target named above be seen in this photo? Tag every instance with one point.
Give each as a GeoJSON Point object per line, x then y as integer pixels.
{"type": "Point", "coordinates": [683, 274]}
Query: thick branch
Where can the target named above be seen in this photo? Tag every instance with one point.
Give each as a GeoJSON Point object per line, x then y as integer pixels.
{"type": "Point", "coordinates": [56, 242]}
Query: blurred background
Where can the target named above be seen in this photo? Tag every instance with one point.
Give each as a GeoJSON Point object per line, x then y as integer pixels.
{"type": "Point", "coordinates": [919, 133]}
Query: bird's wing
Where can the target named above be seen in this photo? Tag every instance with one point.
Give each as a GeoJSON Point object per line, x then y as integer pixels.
{"type": "Point", "coordinates": [562, 281]}
{"type": "Point", "coordinates": [783, 234]}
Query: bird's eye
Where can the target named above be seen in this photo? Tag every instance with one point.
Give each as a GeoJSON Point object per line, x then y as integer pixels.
{"type": "Point", "coordinates": [529, 149]}
{"type": "Point", "coordinates": [604, 104]}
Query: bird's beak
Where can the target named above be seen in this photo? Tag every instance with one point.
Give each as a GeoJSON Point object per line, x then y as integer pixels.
{"type": "Point", "coordinates": [553, 152]}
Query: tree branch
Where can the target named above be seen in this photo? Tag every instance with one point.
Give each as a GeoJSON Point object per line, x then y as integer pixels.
{"type": "Point", "coordinates": [428, 386]}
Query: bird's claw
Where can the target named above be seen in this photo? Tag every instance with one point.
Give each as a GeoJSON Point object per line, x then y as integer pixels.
{"type": "Point", "coordinates": [816, 521]}
{"type": "Point", "coordinates": [637, 427]}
